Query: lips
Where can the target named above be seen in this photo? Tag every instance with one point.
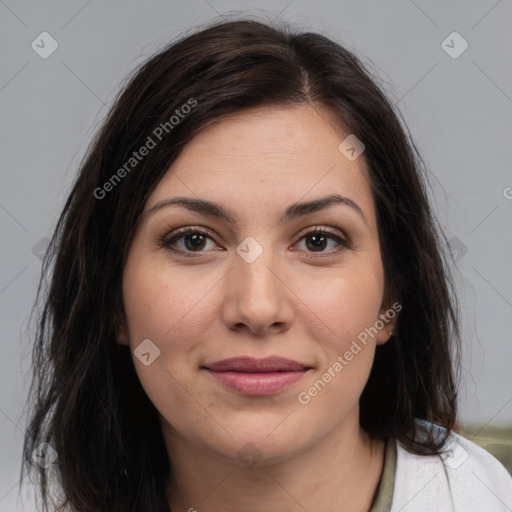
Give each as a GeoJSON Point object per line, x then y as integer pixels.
{"type": "Point", "coordinates": [256, 377]}
{"type": "Point", "coordinates": [251, 365]}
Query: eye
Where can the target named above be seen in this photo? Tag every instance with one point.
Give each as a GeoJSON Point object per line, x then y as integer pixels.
{"type": "Point", "coordinates": [318, 239]}
{"type": "Point", "coordinates": [191, 240]}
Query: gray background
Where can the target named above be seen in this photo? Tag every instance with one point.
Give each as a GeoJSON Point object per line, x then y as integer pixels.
{"type": "Point", "coordinates": [458, 111]}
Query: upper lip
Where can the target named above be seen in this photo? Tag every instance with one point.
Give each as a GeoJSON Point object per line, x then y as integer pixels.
{"type": "Point", "coordinates": [250, 364]}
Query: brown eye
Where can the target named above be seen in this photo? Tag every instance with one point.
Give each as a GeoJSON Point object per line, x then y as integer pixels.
{"type": "Point", "coordinates": [318, 241]}
{"type": "Point", "coordinates": [186, 240]}
{"type": "Point", "coordinates": [194, 241]}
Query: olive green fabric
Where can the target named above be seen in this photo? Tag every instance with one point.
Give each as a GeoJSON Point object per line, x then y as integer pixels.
{"type": "Point", "coordinates": [384, 495]}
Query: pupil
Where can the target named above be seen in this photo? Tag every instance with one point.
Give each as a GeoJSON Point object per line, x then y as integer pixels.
{"type": "Point", "coordinates": [320, 239]}
{"type": "Point", "coordinates": [196, 239]}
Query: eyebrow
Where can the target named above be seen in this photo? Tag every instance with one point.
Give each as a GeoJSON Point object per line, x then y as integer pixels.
{"type": "Point", "coordinates": [218, 211]}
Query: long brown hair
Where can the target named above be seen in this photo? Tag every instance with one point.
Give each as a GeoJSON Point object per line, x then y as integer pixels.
{"type": "Point", "coordinates": [85, 399]}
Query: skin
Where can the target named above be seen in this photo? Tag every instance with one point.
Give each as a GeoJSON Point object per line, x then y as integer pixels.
{"type": "Point", "coordinates": [292, 301]}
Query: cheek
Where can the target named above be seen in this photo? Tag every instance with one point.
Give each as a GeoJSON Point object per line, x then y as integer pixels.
{"type": "Point", "coordinates": [339, 317]}
{"type": "Point", "coordinates": [341, 308]}
{"type": "Point", "coordinates": [172, 311]}
{"type": "Point", "coordinates": [160, 303]}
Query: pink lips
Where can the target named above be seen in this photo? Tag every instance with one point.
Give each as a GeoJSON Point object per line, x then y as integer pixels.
{"type": "Point", "coordinates": [256, 377]}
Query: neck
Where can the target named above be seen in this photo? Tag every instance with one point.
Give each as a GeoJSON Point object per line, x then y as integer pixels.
{"type": "Point", "coordinates": [342, 472]}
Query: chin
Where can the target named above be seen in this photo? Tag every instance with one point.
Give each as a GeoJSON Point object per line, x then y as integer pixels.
{"type": "Point", "coordinates": [264, 443]}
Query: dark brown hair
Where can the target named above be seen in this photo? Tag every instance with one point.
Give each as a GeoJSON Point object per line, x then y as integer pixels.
{"type": "Point", "coordinates": [85, 398]}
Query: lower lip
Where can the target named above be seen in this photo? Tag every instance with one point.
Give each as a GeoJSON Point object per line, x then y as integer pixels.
{"type": "Point", "coordinates": [257, 384]}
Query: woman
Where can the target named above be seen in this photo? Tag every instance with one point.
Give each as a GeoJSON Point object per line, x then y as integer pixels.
{"type": "Point", "coordinates": [248, 308]}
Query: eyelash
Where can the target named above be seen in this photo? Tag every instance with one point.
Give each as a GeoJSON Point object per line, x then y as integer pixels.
{"type": "Point", "coordinates": [168, 241]}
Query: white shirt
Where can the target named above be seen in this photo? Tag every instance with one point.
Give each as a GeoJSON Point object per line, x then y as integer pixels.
{"type": "Point", "coordinates": [465, 478]}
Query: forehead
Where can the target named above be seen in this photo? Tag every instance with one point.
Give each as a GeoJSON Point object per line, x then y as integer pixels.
{"type": "Point", "coordinates": [265, 157]}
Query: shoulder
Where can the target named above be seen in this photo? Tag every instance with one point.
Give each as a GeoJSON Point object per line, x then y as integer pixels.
{"type": "Point", "coordinates": [465, 477]}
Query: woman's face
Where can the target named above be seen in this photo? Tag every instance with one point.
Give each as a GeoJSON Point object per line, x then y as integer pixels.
{"type": "Point", "coordinates": [260, 285]}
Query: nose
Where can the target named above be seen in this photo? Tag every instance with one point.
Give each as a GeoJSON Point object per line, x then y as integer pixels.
{"type": "Point", "coordinates": [257, 296]}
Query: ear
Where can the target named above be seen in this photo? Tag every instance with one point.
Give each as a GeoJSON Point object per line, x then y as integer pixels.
{"type": "Point", "coordinates": [389, 317]}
